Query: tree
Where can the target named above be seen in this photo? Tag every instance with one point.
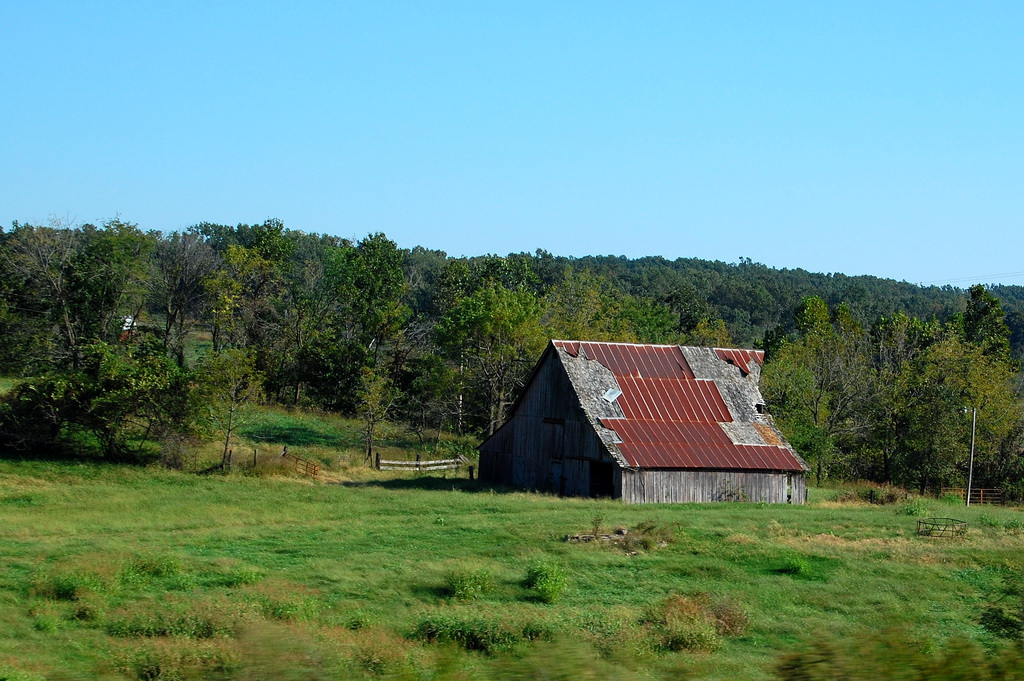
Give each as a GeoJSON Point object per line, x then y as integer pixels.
{"type": "Point", "coordinates": [377, 395]}
{"type": "Point", "coordinates": [226, 382]}
{"type": "Point", "coordinates": [650, 321]}
{"type": "Point", "coordinates": [83, 282]}
{"type": "Point", "coordinates": [585, 306]}
{"type": "Point", "coordinates": [820, 384]}
{"type": "Point", "coordinates": [984, 323]}
{"type": "Point", "coordinates": [497, 332]}
{"type": "Point", "coordinates": [120, 401]}
{"type": "Point", "coordinates": [182, 263]}
{"type": "Point", "coordinates": [378, 287]}
{"type": "Point", "coordinates": [429, 389]}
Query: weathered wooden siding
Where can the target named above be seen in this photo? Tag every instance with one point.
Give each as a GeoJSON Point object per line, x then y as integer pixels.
{"type": "Point", "coordinates": [799, 492]}
{"type": "Point", "coordinates": [682, 486]}
{"type": "Point", "coordinates": [548, 443]}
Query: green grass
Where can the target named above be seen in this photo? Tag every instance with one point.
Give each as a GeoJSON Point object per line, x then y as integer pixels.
{"type": "Point", "coordinates": [6, 384]}
{"type": "Point", "coordinates": [333, 441]}
{"type": "Point", "coordinates": [116, 572]}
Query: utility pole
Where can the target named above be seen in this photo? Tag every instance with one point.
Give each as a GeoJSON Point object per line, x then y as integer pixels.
{"type": "Point", "coordinates": [970, 470]}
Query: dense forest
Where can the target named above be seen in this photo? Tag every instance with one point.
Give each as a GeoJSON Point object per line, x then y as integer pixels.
{"type": "Point", "coordinates": [131, 344]}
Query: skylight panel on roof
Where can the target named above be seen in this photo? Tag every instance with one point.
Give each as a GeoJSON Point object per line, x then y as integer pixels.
{"type": "Point", "coordinates": [611, 394]}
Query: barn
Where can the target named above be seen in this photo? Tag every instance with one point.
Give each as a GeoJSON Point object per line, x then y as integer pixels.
{"type": "Point", "coordinates": [645, 424]}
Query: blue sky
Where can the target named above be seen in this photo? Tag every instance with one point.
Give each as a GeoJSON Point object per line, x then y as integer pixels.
{"type": "Point", "coordinates": [858, 137]}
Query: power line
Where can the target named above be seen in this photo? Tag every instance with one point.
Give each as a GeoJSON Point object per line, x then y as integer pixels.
{"type": "Point", "coordinates": [981, 277]}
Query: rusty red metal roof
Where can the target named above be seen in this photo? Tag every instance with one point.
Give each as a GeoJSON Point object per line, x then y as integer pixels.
{"type": "Point", "coordinates": [740, 358]}
{"type": "Point", "coordinates": [671, 419]}
{"type": "Point", "coordinates": [679, 399]}
{"type": "Point", "coordinates": [629, 359]}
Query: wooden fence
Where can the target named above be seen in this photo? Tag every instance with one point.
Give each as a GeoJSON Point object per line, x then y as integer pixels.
{"type": "Point", "coordinates": [302, 466]}
{"type": "Point", "coordinates": [420, 465]}
{"type": "Point", "coordinates": [978, 495]}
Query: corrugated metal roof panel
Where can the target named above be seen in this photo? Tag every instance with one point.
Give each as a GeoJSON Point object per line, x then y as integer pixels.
{"type": "Point", "coordinates": [661, 432]}
{"type": "Point", "coordinates": [671, 419]}
{"type": "Point", "coordinates": [672, 400]}
{"type": "Point", "coordinates": [657, 444]}
{"type": "Point", "coordinates": [627, 359]}
{"type": "Point", "coordinates": [740, 358]}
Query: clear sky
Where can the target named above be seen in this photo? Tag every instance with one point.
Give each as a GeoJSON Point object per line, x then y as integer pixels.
{"type": "Point", "coordinates": [882, 138]}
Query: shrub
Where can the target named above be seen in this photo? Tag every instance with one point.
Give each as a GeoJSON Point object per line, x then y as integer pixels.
{"type": "Point", "coordinates": [185, 619]}
{"type": "Point", "coordinates": [649, 535]}
{"type": "Point", "coordinates": [479, 632]}
{"type": "Point", "coordinates": [915, 507]}
{"type": "Point", "coordinates": [1003, 620]}
{"type": "Point", "coordinates": [64, 586]}
{"type": "Point", "coordinates": [241, 575]}
{"type": "Point", "coordinates": [683, 623]}
{"type": "Point", "coordinates": [287, 608]}
{"type": "Point", "coordinates": [873, 494]}
{"type": "Point", "coordinates": [889, 654]}
{"type": "Point", "coordinates": [163, 660]}
{"type": "Point", "coordinates": [1003, 615]}
{"type": "Point", "coordinates": [358, 620]}
{"type": "Point", "coordinates": [87, 610]}
{"type": "Point", "coordinates": [46, 622]}
{"type": "Point", "coordinates": [730, 619]}
{"type": "Point", "coordinates": [795, 565]}
{"type": "Point", "coordinates": [547, 580]}
{"type": "Point", "coordinates": [139, 569]}
{"type": "Point", "coordinates": [989, 520]}
{"type": "Point", "coordinates": [469, 582]}
{"type": "Point", "coordinates": [379, 653]}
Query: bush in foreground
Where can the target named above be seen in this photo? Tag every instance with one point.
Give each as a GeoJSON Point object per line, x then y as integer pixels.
{"type": "Point", "coordinates": [895, 655]}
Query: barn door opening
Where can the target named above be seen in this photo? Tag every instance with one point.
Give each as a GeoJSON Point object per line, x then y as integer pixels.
{"type": "Point", "coordinates": [602, 482]}
{"type": "Point", "coordinates": [557, 482]}
{"type": "Point", "coordinates": [554, 437]}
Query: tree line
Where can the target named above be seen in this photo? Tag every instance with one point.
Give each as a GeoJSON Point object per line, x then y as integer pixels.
{"type": "Point", "coordinates": [133, 342]}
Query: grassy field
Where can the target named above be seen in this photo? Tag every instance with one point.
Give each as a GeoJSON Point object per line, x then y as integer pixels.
{"type": "Point", "coordinates": [124, 572]}
{"type": "Point", "coordinates": [117, 572]}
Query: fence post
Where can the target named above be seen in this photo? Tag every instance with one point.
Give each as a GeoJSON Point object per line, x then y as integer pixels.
{"type": "Point", "coordinates": [254, 450]}
{"type": "Point", "coordinates": [471, 473]}
{"type": "Point", "coordinates": [378, 460]}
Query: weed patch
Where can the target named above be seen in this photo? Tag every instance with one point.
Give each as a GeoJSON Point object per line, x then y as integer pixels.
{"type": "Point", "coordinates": [174, 660]}
{"type": "Point", "coordinates": [683, 623]}
{"type": "Point", "coordinates": [187, 619]}
{"type": "Point", "coordinates": [469, 582]}
{"type": "Point", "coordinates": [473, 631]}
{"type": "Point", "coordinates": [694, 622]}
{"type": "Point", "coordinates": [282, 602]}
{"type": "Point", "coordinates": [547, 580]}
{"type": "Point", "coordinates": [1003, 614]}
{"type": "Point", "coordinates": [69, 585]}
{"type": "Point", "coordinates": [915, 508]}
{"type": "Point", "coordinates": [872, 494]}
{"type": "Point", "coordinates": [885, 654]}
